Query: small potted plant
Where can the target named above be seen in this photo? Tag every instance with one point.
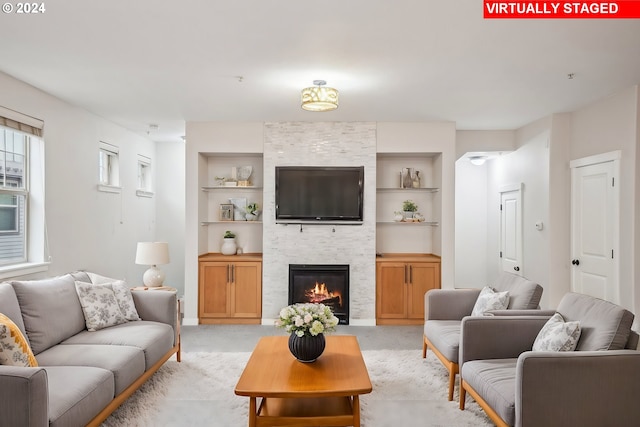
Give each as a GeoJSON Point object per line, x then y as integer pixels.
{"type": "Point", "coordinates": [409, 207]}
{"type": "Point", "coordinates": [229, 246]}
{"type": "Point", "coordinates": [252, 212]}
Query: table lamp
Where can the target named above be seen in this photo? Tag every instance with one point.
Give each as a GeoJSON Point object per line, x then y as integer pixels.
{"type": "Point", "coordinates": [153, 254]}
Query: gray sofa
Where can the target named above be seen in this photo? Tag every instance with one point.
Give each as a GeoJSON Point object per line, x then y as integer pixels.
{"type": "Point", "coordinates": [594, 386]}
{"type": "Point", "coordinates": [444, 310]}
{"type": "Point", "coordinates": [82, 376]}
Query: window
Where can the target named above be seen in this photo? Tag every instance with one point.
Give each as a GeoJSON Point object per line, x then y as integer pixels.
{"type": "Point", "coordinates": [109, 168]}
{"type": "Point", "coordinates": [144, 177]}
{"type": "Point", "coordinates": [23, 245]}
{"type": "Point", "coordinates": [14, 194]}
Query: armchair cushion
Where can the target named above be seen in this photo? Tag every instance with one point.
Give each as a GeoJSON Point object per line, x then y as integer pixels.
{"type": "Point", "coordinates": [445, 336]}
{"type": "Point", "coordinates": [523, 294]}
{"type": "Point", "coordinates": [490, 300]}
{"type": "Point", "coordinates": [557, 335]}
{"type": "Point", "coordinates": [604, 325]}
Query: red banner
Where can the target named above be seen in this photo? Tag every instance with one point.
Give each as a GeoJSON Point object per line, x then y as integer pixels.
{"type": "Point", "coordinates": [624, 9]}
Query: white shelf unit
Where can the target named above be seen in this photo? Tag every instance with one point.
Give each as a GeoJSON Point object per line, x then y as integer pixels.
{"type": "Point", "coordinates": [407, 237]}
{"type": "Point", "coordinates": [248, 233]}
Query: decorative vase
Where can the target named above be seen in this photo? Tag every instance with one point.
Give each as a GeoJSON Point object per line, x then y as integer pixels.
{"type": "Point", "coordinates": [306, 348]}
{"type": "Point", "coordinates": [229, 246]}
{"type": "Point", "coordinates": [407, 180]}
{"type": "Point", "coordinates": [408, 214]}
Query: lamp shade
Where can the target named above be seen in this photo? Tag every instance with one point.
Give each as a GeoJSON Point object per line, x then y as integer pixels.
{"type": "Point", "coordinates": [319, 97]}
{"type": "Point", "coordinates": [152, 253]}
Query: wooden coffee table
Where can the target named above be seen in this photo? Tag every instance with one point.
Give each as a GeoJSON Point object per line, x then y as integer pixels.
{"type": "Point", "coordinates": [323, 393]}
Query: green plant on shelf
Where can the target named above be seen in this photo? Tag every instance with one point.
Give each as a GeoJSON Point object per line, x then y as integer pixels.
{"type": "Point", "coordinates": [252, 208]}
{"type": "Point", "coordinates": [229, 235]}
{"type": "Point", "coordinates": [409, 206]}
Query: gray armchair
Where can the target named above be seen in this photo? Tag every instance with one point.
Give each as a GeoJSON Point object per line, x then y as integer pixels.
{"type": "Point", "coordinates": [595, 386]}
{"type": "Point", "coordinates": [445, 308]}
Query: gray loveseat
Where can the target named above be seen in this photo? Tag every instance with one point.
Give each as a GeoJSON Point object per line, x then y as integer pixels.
{"type": "Point", "coordinates": [594, 386]}
{"type": "Point", "coordinates": [81, 376]}
{"type": "Point", "coordinates": [445, 308]}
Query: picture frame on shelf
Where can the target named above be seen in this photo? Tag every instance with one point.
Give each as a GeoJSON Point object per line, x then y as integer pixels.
{"type": "Point", "coordinates": [226, 212]}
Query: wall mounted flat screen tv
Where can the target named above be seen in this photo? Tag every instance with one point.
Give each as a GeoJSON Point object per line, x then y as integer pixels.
{"type": "Point", "coordinates": [319, 194]}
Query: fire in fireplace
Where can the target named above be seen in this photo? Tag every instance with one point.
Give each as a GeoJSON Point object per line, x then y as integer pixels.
{"type": "Point", "coordinates": [326, 284]}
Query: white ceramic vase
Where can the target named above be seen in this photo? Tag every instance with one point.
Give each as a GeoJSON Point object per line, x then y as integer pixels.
{"type": "Point", "coordinates": [229, 246]}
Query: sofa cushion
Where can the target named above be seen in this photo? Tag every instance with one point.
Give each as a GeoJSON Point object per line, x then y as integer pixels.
{"type": "Point", "coordinates": [14, 347]}
{"type": "Point", "coordinates": [604, 325]}
{"type": "Point", "coordinates": [126, 363]}
{"type": "Point", "coordinates": [445, 336]}
{"type": "Point", "coordinates": [100, 306]}
{"type": "Point", "coordinates": [523, 294]}
{"type": "Point", "coordinates": [77, 394]}
{"type": "Point", "coordinates": [9, 306]}
{"type": "Point", "coordinates": [490, 300]}
{"type": "Point", "coordinates": [154, 338]}
{"type": "Point", "coordinates": [50, 309]}
{"type": "Point", "coordinates": [495, 381]}
{"type": "Point", "coordinates": [557, 335]}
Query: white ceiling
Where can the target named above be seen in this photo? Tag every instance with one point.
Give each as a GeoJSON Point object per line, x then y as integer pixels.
{"type": "Point", "coordinates": [167, 62]}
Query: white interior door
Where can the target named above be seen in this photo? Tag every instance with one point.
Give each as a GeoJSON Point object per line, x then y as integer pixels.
{"type": "Point", "coordinates": [594, 207]}
{"type": "Point", "coordinates": [511, 229]}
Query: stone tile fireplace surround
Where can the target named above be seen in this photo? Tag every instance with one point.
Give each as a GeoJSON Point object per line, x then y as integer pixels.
{"type": "Point", "coordinates": [320, 144]}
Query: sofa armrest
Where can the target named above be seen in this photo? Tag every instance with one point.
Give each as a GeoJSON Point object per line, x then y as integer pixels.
{"type": "Point", "coordinates": [580, 388]}
{"type": "Point", "coordinates": [157, 306]}
{"type": "Point", "coordinates": [523, 312]}
{"type": "Point", "coordinates": [24, 397]}
{"type": "Point", "coordinates": [498, 337]}
{"type": "Point", "coordinates": [449, 304]}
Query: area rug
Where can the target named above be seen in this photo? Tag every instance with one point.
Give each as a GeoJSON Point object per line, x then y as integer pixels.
{"type": "Point", "coordinates": [407, 391]}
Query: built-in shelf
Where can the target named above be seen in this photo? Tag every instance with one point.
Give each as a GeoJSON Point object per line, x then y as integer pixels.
{"type": "Point", "coordinates": [421, 190]}
{"type": "Point", "coordinates": [223, 188]}
{"type": "Point", "coordinates": [410, 224]}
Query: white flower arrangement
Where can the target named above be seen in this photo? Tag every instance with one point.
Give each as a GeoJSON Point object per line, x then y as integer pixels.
{"type": "Point", "coordinates": [307, 319]}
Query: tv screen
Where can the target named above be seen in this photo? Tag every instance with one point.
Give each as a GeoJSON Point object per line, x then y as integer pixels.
{"type": "Point", "coordinates": [319, 193]}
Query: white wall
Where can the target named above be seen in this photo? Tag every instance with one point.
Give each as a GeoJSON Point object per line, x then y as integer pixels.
{"type": "Point", "coordinates": [471, 225]}
{"type": "Point", "coordinates": [170, 199]}
{"type": "Point", "coordinates": [87, 229]}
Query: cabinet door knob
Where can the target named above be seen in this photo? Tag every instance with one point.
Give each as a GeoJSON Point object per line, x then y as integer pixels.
{"type": "Point", "coordinates": [575, 262]}
{"type": "Point", "coordinates": [516, 268]}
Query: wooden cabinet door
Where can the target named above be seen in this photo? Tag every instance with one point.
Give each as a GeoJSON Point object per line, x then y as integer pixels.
{"type": "Point", "coordinates": [246, 289]}
{"type": "Point", "coordinates": [214, 283]}
{"type": "Point", "coordinates": [391, 290]}
{"type": "Point", "coordinates": [423, 276]}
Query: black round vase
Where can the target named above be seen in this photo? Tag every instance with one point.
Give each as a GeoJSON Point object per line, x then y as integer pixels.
{"type": "Point", "coordinates": [306, 348]}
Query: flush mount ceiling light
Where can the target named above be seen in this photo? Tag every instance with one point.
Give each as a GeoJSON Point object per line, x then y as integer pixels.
{"type": "Point", "coordinates": [319, 97]}
{"type": "Point", "coordinates": [478, 160]}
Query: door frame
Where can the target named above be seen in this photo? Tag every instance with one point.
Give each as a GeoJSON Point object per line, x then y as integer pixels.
{"type": "Point", "coordinates": [509, 188]}
{"type": "Point", "coordinates": [611, 156]}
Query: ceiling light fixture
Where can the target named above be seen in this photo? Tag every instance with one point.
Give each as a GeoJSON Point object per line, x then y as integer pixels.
{"type": "Point", "coordinates": [478, 160]}
{"type": "Point", "coordinates": [319, 97]}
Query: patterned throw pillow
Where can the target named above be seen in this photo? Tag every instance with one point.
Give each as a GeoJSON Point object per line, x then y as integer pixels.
{"type": "Point", "coordinates": [123, 294]}
{"type": "Point", "coordinates": [14, 348]}
{"type": "Point", "coordinates": [99, 305]}
{"type": "Point", "coordinates": [490, 300]}
{"type": "Point", "coordinates": [125, 300]}
{"type": "Point", "coordinates": [557, 335]}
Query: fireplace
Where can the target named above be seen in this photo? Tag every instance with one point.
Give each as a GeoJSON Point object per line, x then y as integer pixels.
{"type": "Point", "coordinates": [321, 283]}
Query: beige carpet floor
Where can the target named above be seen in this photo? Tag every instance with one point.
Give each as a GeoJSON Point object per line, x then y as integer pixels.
{"type": "Point", "coordinates": [407, 391]}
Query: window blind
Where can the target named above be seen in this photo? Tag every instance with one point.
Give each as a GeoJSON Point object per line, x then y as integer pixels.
{"type": "Point", "coordinates": [20, 122]}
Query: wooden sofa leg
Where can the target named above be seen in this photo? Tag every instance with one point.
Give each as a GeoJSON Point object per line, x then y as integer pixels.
{"type": "Point", "coordinates": [463, 394]}
{"type": "Point", "coordinates": [452, 381]}
{"type": "Point", "coordinates": [424, 347]}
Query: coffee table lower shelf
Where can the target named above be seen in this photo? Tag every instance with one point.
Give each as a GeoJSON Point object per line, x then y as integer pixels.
{"type": "Point", "coordinates": [306, 411]}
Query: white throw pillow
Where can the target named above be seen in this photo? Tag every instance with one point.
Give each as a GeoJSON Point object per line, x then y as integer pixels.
{"type": "Point", "coordinates": [557, 335]}
{"type": "Point", "coordinates": [490, 300]}
{"type": "Point", "coordinates": [99, 305]}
